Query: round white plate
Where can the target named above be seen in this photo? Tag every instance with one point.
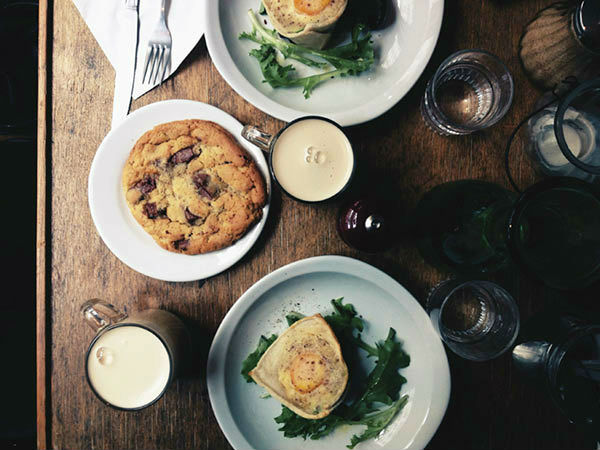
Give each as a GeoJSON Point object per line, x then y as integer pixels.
{"type": "Point", "coordinates": [307, 286]}
{"type": "Point", "coordinates": [116, 225]}
{"type": "Point", "coordinates": [402, 51]}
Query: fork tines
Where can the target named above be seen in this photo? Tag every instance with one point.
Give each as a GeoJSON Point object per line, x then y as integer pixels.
{"type": "Point", "coordinates": [158, 58]}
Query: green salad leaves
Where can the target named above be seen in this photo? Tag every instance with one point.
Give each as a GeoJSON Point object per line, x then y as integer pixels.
{"type": "Point", "coordinates": [350, 59]}
{"type": "Point", "coordinates": [375, 398]}
{"type": "Point", "coordinates": [252, 360]}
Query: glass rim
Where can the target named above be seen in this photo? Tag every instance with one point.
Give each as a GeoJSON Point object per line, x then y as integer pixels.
{"type": "Point", "coordinates": [444, 64]}
{"type": "Point", "coordinates": [455, 346]}
{"type": "Point", "coordinates": [559, 117]}
{"type": "Point", "coordinates": [163, 342]}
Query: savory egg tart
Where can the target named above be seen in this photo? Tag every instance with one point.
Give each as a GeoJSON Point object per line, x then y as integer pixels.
{"type": "Point", "coordinates": [305, 22]}
{"type": "Point", "coordinates": [304, 368]}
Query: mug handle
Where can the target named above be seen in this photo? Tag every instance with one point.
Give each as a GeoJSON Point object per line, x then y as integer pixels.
{"type": "Point", "coordinates": [99, 314]}
{"type": "Point", "coordinates": [258, 137]}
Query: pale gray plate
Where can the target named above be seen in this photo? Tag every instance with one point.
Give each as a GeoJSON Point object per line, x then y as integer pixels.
{"type": "Point", "coordinates": [307, 286]}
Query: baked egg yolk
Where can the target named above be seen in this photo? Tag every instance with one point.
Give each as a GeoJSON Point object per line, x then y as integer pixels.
{"type": "Point", "coordinates": [311, 7]}
{"type": "Point", "coordinates": [307, 372]}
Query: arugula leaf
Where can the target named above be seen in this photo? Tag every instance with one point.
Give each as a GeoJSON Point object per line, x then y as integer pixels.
{"type": "Point", "coordinates": [287, 55]}
{"type": "Point", "coordinates": [294, 317]}
{"type": "Point", "coordinates": [356, 56]}
{"type": "Point", "coordinates": [344, 321]}
{"type": "Point", "coordinates": [252, 360]}
{"type": "Point", "coordinates": [384, 382]}
{"type": "Point", "coordinates": [275, 74]}
{"type": "Point", "coordinates": [377, 422]}
{"type": "Point", "coordinates": [261, 9]}
{"type": "Point", "coordinates": [294, 426]}
{"type": "Point", "coordinates": [278, 76]}
{"type": "Point", "coordinates": [350, 59]}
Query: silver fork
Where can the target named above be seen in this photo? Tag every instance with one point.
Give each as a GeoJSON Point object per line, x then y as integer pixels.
{"type": "Point", "coordinates": [158, 55]}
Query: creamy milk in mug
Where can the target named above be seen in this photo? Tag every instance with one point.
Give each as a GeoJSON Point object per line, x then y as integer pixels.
{"type": "Point", "coordinates": [311, 158]}
{"type": "Point", "coordinates": [132, 360]}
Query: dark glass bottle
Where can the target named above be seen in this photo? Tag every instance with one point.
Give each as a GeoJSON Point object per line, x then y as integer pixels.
{"type": "Point", "coordinates": [554, 232]}
{"type": "Point", "coordinates": [558, 352]}
{"type": "Point", "coordinates": [368, 224]}
{"type": "Point", "coordinates": [461, 226]}
{"type": "Point", "coordinates": [551, 231]}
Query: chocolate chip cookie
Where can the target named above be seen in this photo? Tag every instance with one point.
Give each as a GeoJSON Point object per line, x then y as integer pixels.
{"type": "Point", "coordinates": [192, 187]}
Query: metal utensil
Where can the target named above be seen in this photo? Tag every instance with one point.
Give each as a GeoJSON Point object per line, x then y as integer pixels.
{"type": "Point", "coordinates": [158, 55]}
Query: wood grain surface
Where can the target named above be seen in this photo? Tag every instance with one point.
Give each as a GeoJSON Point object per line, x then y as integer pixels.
{"type": "Point", "coordinates": [490, 407]}
{"type": "Point", "coordinates": [42, 339]}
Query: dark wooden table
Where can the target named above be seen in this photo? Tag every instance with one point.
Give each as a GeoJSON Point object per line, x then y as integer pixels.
{"type": "Point", "coordinates": [490, 407]}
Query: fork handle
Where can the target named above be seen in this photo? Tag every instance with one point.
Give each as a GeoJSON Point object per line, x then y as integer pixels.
{"type": "Point", "coordinates": [163, 11]}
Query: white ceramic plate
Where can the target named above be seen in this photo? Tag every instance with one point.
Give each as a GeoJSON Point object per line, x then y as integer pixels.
{"type": "Point", "coordinates": [403, 50]}
{"type": "Point", "coordinates": [116, 225]}
{"type": "Point", "coordinates": [307, 286]}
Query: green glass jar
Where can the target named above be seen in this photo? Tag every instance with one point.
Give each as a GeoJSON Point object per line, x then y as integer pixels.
{"type": "Point", "coordinates": [461, 226]}
{"type": "Point", "coordinates": [551, 231]}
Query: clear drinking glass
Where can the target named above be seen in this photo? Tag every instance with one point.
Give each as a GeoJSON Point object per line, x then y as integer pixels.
{"type": "Point", "coordinates": [478, 320]}
{"type": "Point", "coordinates": [470, 91]}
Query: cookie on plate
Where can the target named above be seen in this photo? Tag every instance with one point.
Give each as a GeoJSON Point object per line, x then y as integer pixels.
{"type": "Point", "coordinates": [192, 187]}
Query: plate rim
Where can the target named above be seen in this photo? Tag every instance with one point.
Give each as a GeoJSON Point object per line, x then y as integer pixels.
{"type": "Point", "coordinates": [222, 339]}
{"type": "Point", "coordinates": [229, 71]}
{"type": "Point", "coordinates": [202, 272]}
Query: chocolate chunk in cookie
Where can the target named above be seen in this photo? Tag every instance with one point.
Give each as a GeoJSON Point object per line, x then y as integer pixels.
{"type": "Point", "coordinates": [146, 185]}
{"type": "Point", "coordinates": [182, 156]}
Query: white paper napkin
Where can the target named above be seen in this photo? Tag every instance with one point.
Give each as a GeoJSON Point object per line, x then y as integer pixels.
{"type": "Point", "coordinates": [184, 19]}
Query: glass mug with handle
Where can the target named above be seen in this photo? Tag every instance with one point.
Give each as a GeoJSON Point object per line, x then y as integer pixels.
{"type": "Point", "coordinates": [564, 136]}
{"type": "Point", "coordinates": [311, 159]}
{"type": "Point", "coordinates": [559, 353]}
{"type": "Point", "coordinates": [131, 361]}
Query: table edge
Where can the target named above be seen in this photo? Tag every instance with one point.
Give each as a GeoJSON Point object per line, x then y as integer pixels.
{"type": "Point", "coordinates": [42, 331]}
